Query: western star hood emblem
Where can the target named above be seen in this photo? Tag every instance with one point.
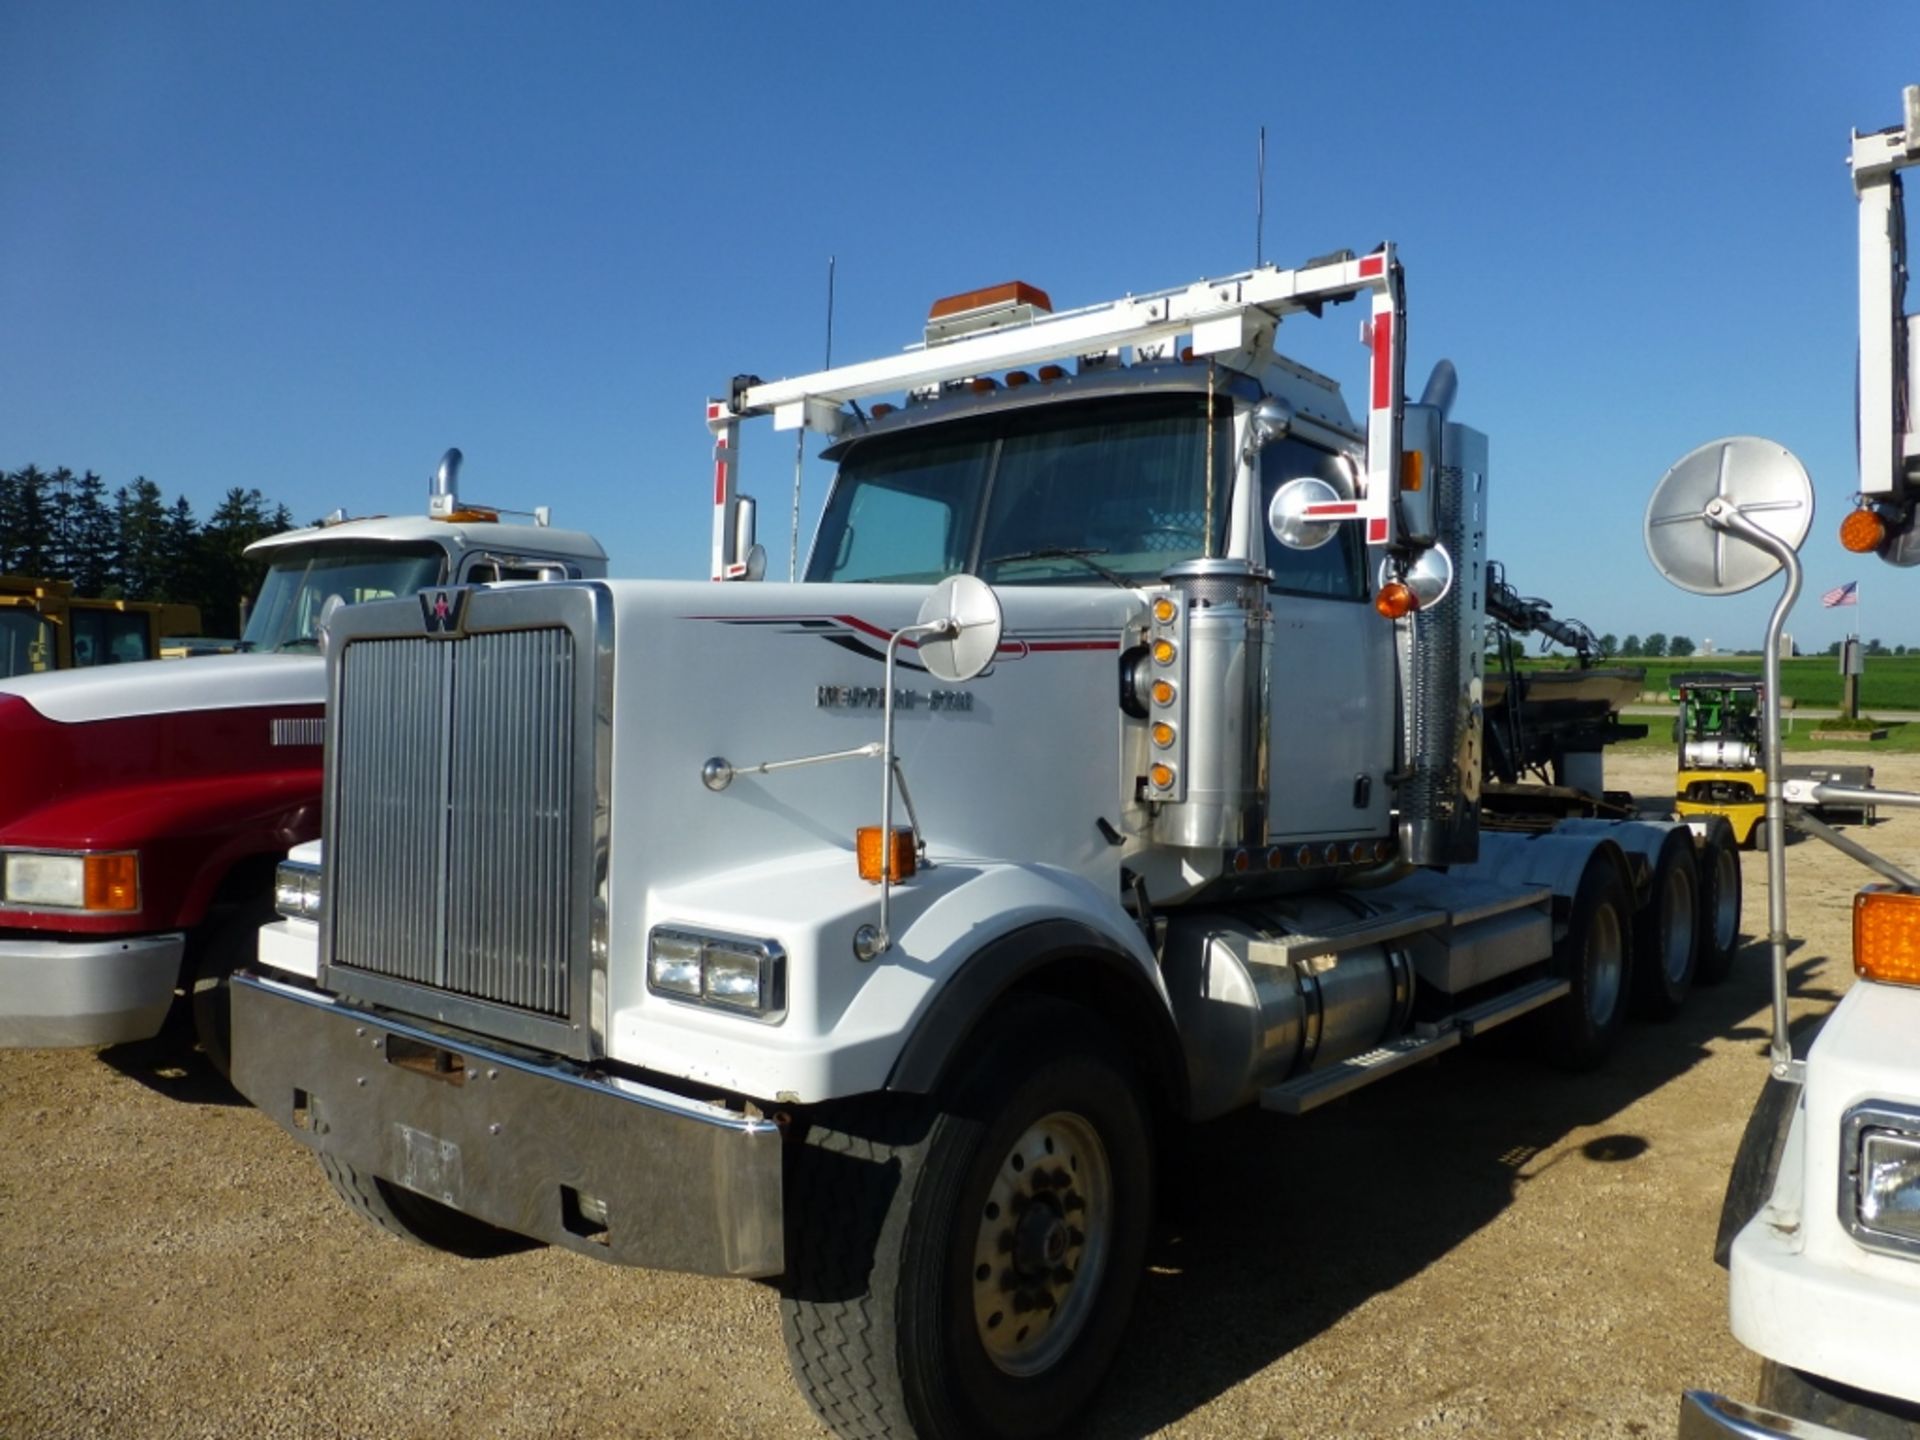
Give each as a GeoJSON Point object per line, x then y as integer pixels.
{"type": "Point", "coordinates": [442, 610]}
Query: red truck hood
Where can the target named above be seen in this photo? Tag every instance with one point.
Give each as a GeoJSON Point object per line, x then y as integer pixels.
{"type": "Point", "coordinates": [167, 687]}
{"type": "Point", "coordinates": [195, 764]}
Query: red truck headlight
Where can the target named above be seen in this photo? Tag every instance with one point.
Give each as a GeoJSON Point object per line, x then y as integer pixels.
{"type": "Point", "coordinates": [108, 883]}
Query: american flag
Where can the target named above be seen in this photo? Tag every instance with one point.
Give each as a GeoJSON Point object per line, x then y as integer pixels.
{"type": "Point", "coordinates": [1847, 594]}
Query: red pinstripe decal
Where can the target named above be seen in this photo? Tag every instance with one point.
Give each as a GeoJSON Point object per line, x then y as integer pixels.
{"type": "Point", "coordinates": [1329, 507]}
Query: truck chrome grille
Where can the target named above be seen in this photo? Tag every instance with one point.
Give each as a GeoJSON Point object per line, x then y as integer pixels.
{"type": "Point", "coordinates": [454, 821]}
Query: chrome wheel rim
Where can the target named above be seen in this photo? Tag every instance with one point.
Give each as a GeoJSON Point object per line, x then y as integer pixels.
{"type": "Point", "coordinates": [1678, 929]}
{"type": "Point", "coordinates": [1045, 1229]}
{"type": "Point", "coordinates": [1726, 904]}
{"type": "Point", "coordinates": [1606, 960]}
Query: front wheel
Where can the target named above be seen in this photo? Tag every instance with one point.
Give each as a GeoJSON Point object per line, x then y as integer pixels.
{"type": "Point", "coordinates": [413, 1217]}
{"type": "Point", "coordinates": [970, 1273]}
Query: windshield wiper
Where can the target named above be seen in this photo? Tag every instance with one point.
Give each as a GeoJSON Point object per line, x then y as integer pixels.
{"type": "Point", "coordinates": [1061, 552]}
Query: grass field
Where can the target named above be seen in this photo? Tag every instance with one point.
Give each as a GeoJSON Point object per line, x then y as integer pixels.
{"type": "Point", "coordinates": [1891, 682]}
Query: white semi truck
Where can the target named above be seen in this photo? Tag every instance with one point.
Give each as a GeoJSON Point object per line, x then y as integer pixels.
{"type": "Point", "coordinates": [1821, 1228]}
{"type": "Point", "coordinates": [1118, 764]}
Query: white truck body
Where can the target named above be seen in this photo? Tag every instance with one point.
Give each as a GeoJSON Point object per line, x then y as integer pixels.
{"type": "Point", "coordinates": [591, 953]}
{"type": "Point", "coordinates": [1825, 1265]}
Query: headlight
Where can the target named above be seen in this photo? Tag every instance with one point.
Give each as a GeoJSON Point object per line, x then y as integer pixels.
{"type": "Point", "coordinates": [729, 972]}
{"type": "Point", "coordinates": [108, 883]}
{"type": "Point", "coordinates": [1880, 1177]}
{"type": "Point", "coordinates": [296, 891]}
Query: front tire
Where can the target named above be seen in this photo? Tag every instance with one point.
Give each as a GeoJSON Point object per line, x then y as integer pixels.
{"type": "Point", "coordinates": [966, 1267]}
{"type": "Point", "coordinates": [402, 1213]}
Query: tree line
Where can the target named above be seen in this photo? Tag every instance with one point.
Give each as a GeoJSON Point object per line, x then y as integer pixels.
{"type": "Point", "coordinates": [131, 544]}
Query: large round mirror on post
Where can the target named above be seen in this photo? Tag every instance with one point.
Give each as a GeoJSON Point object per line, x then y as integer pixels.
{"type": "Point", "coordinates": [970, 611]}
{"type": "Point", "coordinates": [1758, 480]}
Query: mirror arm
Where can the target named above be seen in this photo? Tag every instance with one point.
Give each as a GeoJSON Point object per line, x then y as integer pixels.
{"type": "Point", "coordinates": [1722, 515]}
{"type": "Point", "coordinates": [870, 943]}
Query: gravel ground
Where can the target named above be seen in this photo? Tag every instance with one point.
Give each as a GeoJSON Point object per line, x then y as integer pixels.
{"type": "Point", "coordinates": [1481, 1247]}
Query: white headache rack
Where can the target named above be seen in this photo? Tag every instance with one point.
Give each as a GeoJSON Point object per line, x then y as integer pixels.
{"type": "Point", "coordinates": [1221, 317]}
{"type": "Point", "coordinates": [1889, 345]}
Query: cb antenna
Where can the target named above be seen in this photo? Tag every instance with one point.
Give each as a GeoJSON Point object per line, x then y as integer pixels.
{"type": "Point", "coordinates": [1260, 201]}
{"type": "Point", "coordinates": [800, 446]}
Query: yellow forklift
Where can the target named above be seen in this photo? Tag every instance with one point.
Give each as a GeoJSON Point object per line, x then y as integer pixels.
{"type": "Point", "coordinates": [1723, 761]}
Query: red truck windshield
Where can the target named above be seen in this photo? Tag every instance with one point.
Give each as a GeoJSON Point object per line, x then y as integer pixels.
{"type": "Point", "coordinates": [287, 615]}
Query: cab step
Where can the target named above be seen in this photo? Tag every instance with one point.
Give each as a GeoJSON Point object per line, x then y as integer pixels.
{"type": "Point", "coordinates": [1315, 1088]}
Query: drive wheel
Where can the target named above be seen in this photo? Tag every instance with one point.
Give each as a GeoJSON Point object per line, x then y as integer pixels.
{"type": "Point", "coordinates": [969, 1271]}
{"type": "Point", "coordinates": [1666, 932]}
{"type": "Point", "coordinates": [414, 1217]}
{"type": "Point", "coordinates": [1720, 893]}
{"type": "Point", "coordinates": [1594, 957]}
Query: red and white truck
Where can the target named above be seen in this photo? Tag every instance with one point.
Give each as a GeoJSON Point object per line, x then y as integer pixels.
{"type": "Point", "coordinates": [143, 807]}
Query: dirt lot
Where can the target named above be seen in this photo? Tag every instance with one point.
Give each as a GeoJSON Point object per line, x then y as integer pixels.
{"type": "Point", "coordinates": [1480, 1248]}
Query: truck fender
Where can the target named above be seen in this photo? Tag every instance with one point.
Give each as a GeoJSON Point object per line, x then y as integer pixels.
{"type": "Point", "coordinates": [1072, 959]}
{"type": "Point", "coordinates": [1556, 860]}
{"type": "Point", "coordinates": [1756, 1164]}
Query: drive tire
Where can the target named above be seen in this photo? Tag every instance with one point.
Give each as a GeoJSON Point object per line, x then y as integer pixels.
{"type": "Point", "coordinates": [1720, 896]}
{"type": "Point", "coordinates": [1596, 958]}
{"type": "Point", "coordinates": [1666, 932]}
{"type": "Point", "coordinates": [1852, 1412]}
{"type": "Point", "coordinates": [920, 1299]}
{"type": "Point", "coordinates": [415, 1218]}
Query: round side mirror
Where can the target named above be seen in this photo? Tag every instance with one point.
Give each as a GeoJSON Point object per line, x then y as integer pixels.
{"type": "Point", "coordinates": [1761, 481]}
{"type": "Point", "coordinates": [1271, 419]}
{"type": "Point", "coordinates": [970, 610]}
{"type": "Point", "coordinates": [1429, 576]}
{"type": "Point", "coordinates": [1287, 513]}
{"type": "Point", "coordinates": [332, 606]}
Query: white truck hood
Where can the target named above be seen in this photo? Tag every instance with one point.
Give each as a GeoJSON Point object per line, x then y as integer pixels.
{"type": "Point", "coordinates": [166, 687]}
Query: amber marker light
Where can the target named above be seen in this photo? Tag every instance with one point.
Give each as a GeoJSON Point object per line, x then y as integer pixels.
{"type": "Point", "coordinates": [112, 882]}
{"type": "Point", "coordinates": [1163, 692]}
{"type": "Point", "coordinates": [1863, 531]}
{"type": "Point", "coordinates": [1164, 610]}
{"type": "Point", "coordinates": [1164, 652]}
{"type": "Point", "coordinates": [1161, 776]}
{"type": "Point", "coordinates": [1886, 935]}
{"type": "Point", "coordinates": [1395, 600]}
{"type": "Point", "coordinates": [867, 846]}
{"type": "Point", "coordinates": [1413, 470]}
{"type": "Point", "coordinates": [1162, 734]}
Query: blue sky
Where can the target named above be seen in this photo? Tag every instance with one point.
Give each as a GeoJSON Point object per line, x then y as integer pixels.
{"type": "Point", "coordinates": [307, 248]}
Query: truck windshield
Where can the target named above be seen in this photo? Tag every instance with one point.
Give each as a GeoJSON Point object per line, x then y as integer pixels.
{"type": "Point", "coordinates": [287, 614]}
{"type": "Point", "coordinates": [1057, 494]}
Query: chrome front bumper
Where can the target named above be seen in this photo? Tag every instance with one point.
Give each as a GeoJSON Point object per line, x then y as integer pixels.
{"type": "Point", "coordinates": [86, 992]}
{"type": "Point", "coordinates": [1706, 1416]}
{"type": "Point", "coordinates": [614, 1169]}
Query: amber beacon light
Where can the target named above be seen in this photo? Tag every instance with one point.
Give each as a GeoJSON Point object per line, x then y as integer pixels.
{"type": "Point", "coordinates": [1886, 935]}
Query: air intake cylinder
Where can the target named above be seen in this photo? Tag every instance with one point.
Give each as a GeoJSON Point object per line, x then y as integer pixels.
{"type": "Point", "coordinates": [1226, 622]}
